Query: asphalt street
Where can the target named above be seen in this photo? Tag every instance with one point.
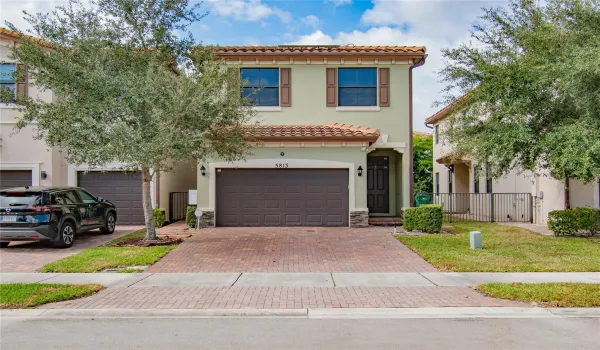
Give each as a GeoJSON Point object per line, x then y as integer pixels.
{"type": "Point", "coordinates": [281, 333]}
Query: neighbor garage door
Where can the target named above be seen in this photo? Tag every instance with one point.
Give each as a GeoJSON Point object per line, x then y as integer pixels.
{"type": "Point", "coordinates": [122, 189]}
{"type": "Point", "coordinates": [286, 197]}
{"type": "Point", "coordinates": [15, 178]}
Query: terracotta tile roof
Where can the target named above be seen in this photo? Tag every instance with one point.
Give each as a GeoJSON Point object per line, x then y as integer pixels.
{"type": "Point", "coordinates": [13, 34]}
{"type": "Point", "coordinates": [314, 132]}
{"type": "Point", "coordinates": [332, 49]}
{"type": "Point", "coordinates": [442, 113]}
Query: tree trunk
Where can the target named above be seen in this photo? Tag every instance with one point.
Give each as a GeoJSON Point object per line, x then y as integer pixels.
{"type": "Point", "coordinates": [567, 194]}
{"type": "Point", "coordinates": [147, 203]}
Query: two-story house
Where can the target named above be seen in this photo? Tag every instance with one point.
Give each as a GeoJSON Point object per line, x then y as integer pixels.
{"type": "Point", "coordinates": [468, 192]}
{"type": "Point", "coordinates": [28, 161]}
{"type": "Point", "coordinates": [335, 125]}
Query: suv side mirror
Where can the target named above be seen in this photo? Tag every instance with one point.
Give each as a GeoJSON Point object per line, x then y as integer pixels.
{"type": "Point", "coordinates": [100, 199]}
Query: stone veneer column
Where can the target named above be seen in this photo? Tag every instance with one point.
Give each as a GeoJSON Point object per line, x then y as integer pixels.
{"type": "Point", "coordinates": [207, 219]}
{"type": "Point", "coordinates": [359, 218]}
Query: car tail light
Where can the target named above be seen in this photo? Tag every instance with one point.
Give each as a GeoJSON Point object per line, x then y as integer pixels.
{"type": "Point", "coordinates": [34, 219]}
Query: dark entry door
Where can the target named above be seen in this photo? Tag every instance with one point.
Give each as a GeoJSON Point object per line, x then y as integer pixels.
{"type": "Point", "coordinates": [378, 184]}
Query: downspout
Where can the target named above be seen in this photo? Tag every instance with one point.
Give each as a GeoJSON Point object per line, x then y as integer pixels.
{"type": "Point", "coordinates": [411, 180]}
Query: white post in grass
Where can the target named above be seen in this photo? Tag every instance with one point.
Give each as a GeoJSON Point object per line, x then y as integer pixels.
{"type": "Point", "coordinates": [198, 214]}
{"type": "Point", "coordinates": [475, 240]}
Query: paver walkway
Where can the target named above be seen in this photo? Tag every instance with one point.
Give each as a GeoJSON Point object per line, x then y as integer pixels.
{"type": "Point", "coordinates": [282, 298]}
{"type": "Point", "coordinates": [541, 229]}
{"type": "Point", "coordinates": [30, 256]}
{"type": "Point", "coordinates": [292, 249]}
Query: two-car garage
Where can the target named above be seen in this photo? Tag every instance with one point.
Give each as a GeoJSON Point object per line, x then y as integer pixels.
{"type": "Point", "coordinates": [282, 197]}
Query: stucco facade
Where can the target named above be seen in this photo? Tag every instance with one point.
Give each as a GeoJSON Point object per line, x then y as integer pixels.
{"type": "Point", "coordinates": [309, 106]}
{"type": "Point", "coordinates": [547, 193]}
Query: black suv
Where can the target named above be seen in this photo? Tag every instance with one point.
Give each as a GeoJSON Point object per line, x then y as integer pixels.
{"type": "Point", "coordinates": [53, 214]}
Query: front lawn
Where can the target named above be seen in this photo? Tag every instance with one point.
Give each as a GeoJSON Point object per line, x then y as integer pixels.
{"type": "Point", "coordinates": [104, 257]}
{"type": "Point", "coordinates": [505, 249]}
{"type": "Point", "coordinates": [26, 295]}
{"type": "Point", "coordinates": [546, 294]}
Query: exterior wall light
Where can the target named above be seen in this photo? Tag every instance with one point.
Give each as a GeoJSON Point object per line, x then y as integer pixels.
{"type": "Point", "coordinates": [44, 175]}
{"type": "Point", "coordinates": [203, 170]}
{"type": "Point", "coordinates": [359, 170]}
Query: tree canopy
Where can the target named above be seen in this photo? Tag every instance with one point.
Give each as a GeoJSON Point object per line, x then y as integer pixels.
{"type": "Point", "coordinates": [130, 87]}
{"type": "Point", "coordinates": [531, 75]}
{"type": "Point", "coordinates": [423, 163]}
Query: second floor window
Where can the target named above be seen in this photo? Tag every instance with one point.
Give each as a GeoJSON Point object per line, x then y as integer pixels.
{"type": "Point", "coordinates": [488, 180]}
{"type": "Point", "coordinates": [357, 87]}
{"type": "Point", "coordinates": [437, 183]}
{"type": "Point", "coordinates": [261, 86]}
{"type": "Point", "coordinates": [450, 176]}
{"type": "Point", "coordinates": [7, 77]}
{"type": "Point", "coordinates": [436, 134]}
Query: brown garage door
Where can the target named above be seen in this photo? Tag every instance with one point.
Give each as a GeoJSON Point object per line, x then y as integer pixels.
{"type": "Point", "coordinates": [122, 189]}
{"type": "Point", "coordinates": [15, 178]}
{"type": "Point", "coordinates": [286, 197]}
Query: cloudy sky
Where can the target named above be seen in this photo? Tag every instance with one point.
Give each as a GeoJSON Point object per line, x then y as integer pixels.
{"type": "Point", "coordinates": [436, 24]}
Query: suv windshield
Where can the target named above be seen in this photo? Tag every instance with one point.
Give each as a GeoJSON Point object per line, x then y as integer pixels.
{"type": "Point", "coordinates": [16, 199]}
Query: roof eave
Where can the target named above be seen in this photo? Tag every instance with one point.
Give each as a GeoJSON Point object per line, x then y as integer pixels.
{"type": "Point", "coordinates": [316, 138]}
{"type": "Point", "coordinates": [358, 53]}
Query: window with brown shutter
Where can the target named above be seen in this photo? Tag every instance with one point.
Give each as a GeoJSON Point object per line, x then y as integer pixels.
{"type": "Point", "coordinates": [285, 87]}
{"type": "Point", "coordinates": [331, 85]}
{"type": "Point", "coordinates": [384, 87]}
{"type": "Point", "coordinates": [22, 88]}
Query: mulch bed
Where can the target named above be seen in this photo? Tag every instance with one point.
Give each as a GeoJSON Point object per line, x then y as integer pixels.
{"type": "Point", "coordinates": [140, 242]}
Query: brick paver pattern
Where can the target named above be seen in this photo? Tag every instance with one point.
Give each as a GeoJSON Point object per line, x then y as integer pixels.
{"type": "Point", "coordinates": [30, 256]}
{"type": "Point", "coordinates": [282, 297]}
{"type": "Point", "coordinates": [292, 249]}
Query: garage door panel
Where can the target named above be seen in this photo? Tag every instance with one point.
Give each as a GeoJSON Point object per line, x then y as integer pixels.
{"type": "Point", "coordinates": [15, 178]}
{"type": "Point", "coordinates": [124, 189]}
{"type": "Point", "coordinates": [286, 197]}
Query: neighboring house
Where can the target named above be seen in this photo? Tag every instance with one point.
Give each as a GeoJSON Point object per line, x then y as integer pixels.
{"type": "Point", "coordinates": [335, 131]}
{"type": "Point", "coordinates": [518, 196]}
{"type": "Point", "coordinates": [25, 161]}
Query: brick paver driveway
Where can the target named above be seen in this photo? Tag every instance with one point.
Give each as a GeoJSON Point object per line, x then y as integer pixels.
{"type": "Point", "coordinates": [30, 256]}
{"type": "Point", "coordinates": [292, 249]}
{"type": "Point", "coordinates": [281, 298]}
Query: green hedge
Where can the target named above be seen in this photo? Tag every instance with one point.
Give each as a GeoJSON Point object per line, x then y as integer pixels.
{"type": "Point", "coordinates": [159, 217]}
{"type": "Point", "coordinates": [426, 218]}
{"type": "Point", "coordinates": [190, 216]}
{"type": "Point", "coordinates": [574, 221]}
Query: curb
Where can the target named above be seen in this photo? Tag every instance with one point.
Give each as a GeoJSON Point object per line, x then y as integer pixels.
{"type": "Point", "coordinates": [350, 313]}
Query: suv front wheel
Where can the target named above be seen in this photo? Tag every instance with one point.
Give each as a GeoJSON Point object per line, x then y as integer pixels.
{"type": "Point", "coordinates": [109, 224]}
{"type": "Point", "coordinates": [66, 235]}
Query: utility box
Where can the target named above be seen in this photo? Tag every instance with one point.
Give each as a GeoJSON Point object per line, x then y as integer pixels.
{"type": "Point", "coordinates": [476, 240]}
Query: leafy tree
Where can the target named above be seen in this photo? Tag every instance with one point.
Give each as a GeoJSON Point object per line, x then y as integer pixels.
{"type": "Point", "coordinates": [423, 163]}
{"type": "Point", "coordinates": [532, 78]}
{"type": "Point", "coordinates": [130, 87]}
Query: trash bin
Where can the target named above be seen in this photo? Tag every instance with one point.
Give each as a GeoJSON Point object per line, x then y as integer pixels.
{"type": "Point", "coordinates": [421, 199]}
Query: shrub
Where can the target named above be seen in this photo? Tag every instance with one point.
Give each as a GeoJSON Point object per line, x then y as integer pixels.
{"type": "Point", "coordinates": [573, 221]}
{"type": "Point", "coordinates": [426, 218]}
{"type": "Point", "coordinates": [190, 216]}
{"type": "Point", "coordinates": [588, 219]}
{"type": "Point", "coordinates": [159, 217]}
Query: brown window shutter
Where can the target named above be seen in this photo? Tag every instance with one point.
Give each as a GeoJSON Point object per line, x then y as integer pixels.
{"type": "Point", "coordinates": [285, 88]}
{"type": "Point", "coordinates": [332, 87]}
{"type": "Point", "coordinates": [22, 86]}
{"type": "Point", "coordinates": [384, 87]}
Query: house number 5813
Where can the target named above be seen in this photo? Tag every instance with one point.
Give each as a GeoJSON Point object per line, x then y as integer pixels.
{"type": "Point", "coordinates": [281, 165]}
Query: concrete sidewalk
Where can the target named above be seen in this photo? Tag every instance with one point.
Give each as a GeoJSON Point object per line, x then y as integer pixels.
{"type": "Point", "coordinates": [404, 279]}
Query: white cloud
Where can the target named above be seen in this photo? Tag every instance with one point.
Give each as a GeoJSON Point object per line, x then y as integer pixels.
{"type": "Point", "coordinates": [248, 10]}
{"type": "Point", "coordinates": [12, 11]}
{"type": "Point", "coordinates": [339, 2]}
{"type": "Point", "coordinates": [311, 20]}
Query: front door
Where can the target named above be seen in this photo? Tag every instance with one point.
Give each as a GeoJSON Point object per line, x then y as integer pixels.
{"type": "Point", "coordinates": [378, 184]}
